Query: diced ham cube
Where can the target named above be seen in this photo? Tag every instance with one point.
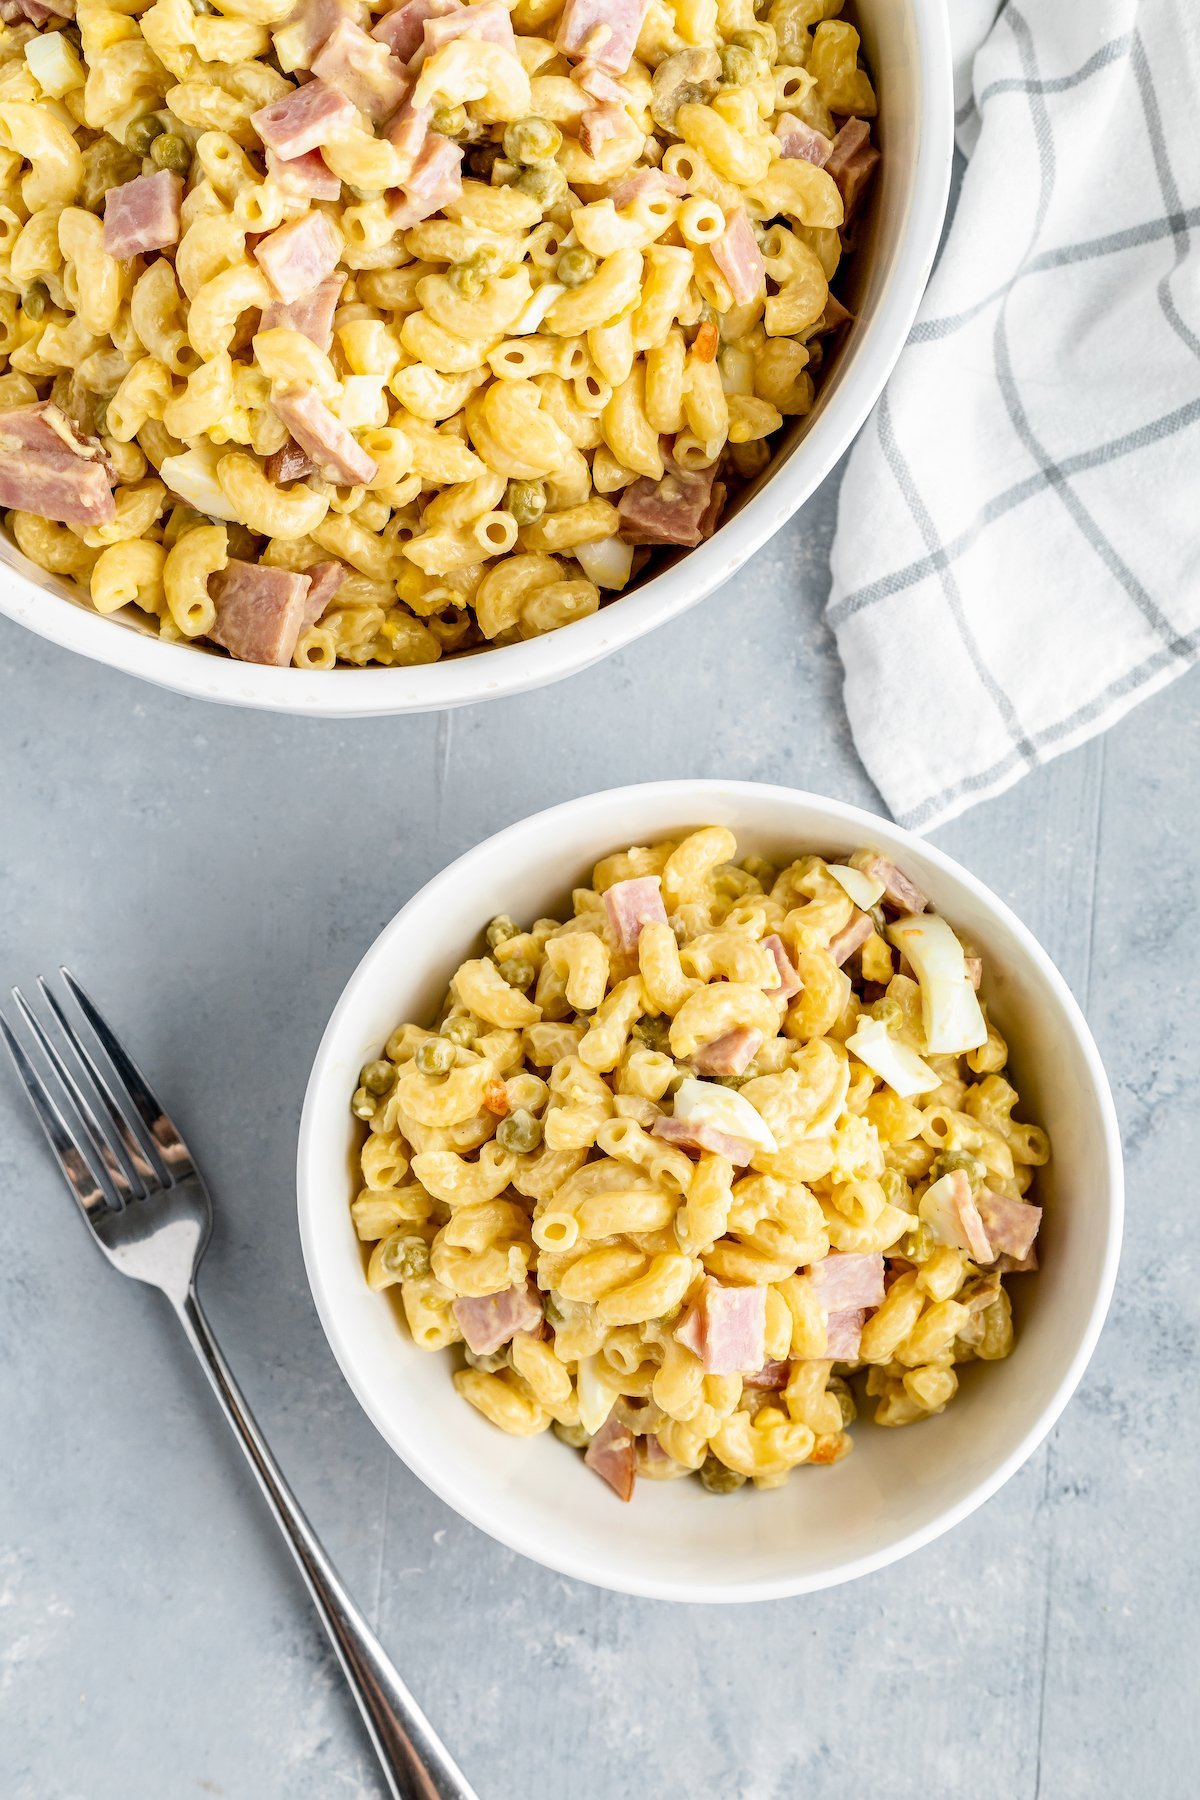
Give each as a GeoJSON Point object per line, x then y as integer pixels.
{"type": "Point", "coordinates": [492, 1320]}
{"type": "Point", "coordinates": [299, 256]}
{"type": "Point", "coordinates": [773, 1376]}
{"type": "Point", "coordinates": [143, 214]}
{"type": "Point", "coordinates": [599, 125]}
{"type": "Point", "coordinates": [403, 29]}
{"type": "Point", "coordinates": [730, 1053]}
{"type": "Point", "coordinates": [435, 181]}
{"type": "Point", "coordinates": [712, 512]}
{"type": "Point", "coordinates": [731, 1329]}
{"type": "Point", "coordinates": [600, 84]}
{"type": "Point", "coordinates": [974, 968]}
{"type": "Point", "coordinates": [737, 255]}
{"type": "Point", "coordinates": [363, 69]}
{"type": "Point", "coordinates": [833, 318]}
{"type": "Point", "coordinates": [790, 983]}
{"type": "Point", "coordinates": [324, 580]}
{"type": "Point", "coordinates": [667, 511]}
{"type": "Point", "coordinates": [603, 32]}
{"type": "Point", "coordinates": [612, 1456]}
{"type": "Point", "coordinates": [796, 139]}
{"type": "Point", "coordinates": [13, 11]}
{"type": "Point", "coordinates": [302, 33]}
{"type": "Point", "coordinates": [489, 21]}
{"type": "Point", "coordinates": [1016, 1265]}
{"type": "Point", "coordinates": [1011, 1225]}
{"type": "Point", "coordinates": [260, 611]}
{"type": "Point", "coordinates": [311, 315]}
{"type": "Point", "coordinates": [843, 1335]}
{"type": "Point", "coordinates": [850, 938]}
{"type": "Point", "coordinates": [304, 119]}
{"type": "Point", "coordinates": [408, 130]}
{"type": "Point", "coordinates": [49, 468]}
{"type": "Point", "coordinates": [948, 1208]}
{"type": "Point", "coordinates": [651, 1457]}
{"type": "Point", "coordinates": [289, 464]}
{"type": "Point", "coordinates": [644, 184]}
{"type": "Point", "coordinates": [334, 450]}
{"type": "Point", "coordinates": [632, 904]}
{"type": "Point", "coordinates": [306, 177]}
{"type": "Point", "coordinates": [898, 890]}
{"type": "Point", "coordinates": [848, 1279]}
{"type": "Point", "coordinates": [852, 162]}
{"type": "Point", "coordinates": [694, 1134]}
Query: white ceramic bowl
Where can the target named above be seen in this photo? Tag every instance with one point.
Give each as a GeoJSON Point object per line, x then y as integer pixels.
{"type": "Point", "coordinates": [907, 42]}
{"type": "Point", "coordinates": [900, 1488]}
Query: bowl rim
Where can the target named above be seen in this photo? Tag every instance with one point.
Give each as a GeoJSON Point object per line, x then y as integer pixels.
{"type": "Point", "coordinates": [692, 796]}
{"type": "Point", "coordinates": [30, 600]}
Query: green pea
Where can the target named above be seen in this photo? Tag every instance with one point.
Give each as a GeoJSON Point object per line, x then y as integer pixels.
{"type": "Point", "coordinates": [141, 134]}
{"type": "Point", "coordinates": [896, 1190]}
{"type": "Point", "coordinates": [574, 1435]}
{"type": "Point", "coordinates": [526, 501]}
{"type": "Point", "coordinates": [739, 66]}
{"type": "Point", "coordinates": [170, 151]}
{"type": "Point", "coordinates": [377, 1077]}
{"type": "Point", "coordinates": [363, 1104]}
{"type": "Point", "coordinates": [35, 300]}
{"type": "Point", "coordinates": [554, 1313]}
{"type": "Point", "coordinates": [717, 1478]}
{"type": "Point", "coordinates": [407, 1257]}
{"type": "Point", "coordinates": [532, 141]}
{"type": "Point", "coordinates": [500, 929]}
{"type": "Point", "coordinates": [843, 1394]}
{"type": "Point", "coordinates": [461, 1030]}
{"type": "Point", "coordinates": [655, 1034]}
{"type": "Point", "coordinates": [546, 185]}
{"type": "Point", "coordinates": [575, 267]}
{"type": "Point", "coordinates": [918, 1245]}
{"type": "Point", "coordinates": [491, 1363]}
{"type": "Point", "coordinates": [951, 1160]}
{"type": "Point", "coordinates": [518, 971]}
{"type": "Point", "coordinates": [520, 1132]}
{"type": "Point", "coordinates": [887, 1010]}
{"type": "Point", "coordinates": [451, 121]}
{"type": "Point", "coordinates": [435, 1056]}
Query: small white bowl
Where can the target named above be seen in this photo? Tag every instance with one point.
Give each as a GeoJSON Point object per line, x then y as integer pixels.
{"type": "Point", "coordinates": [899, 1489]}
{"type": "Point", "coordinates": [907, 44]}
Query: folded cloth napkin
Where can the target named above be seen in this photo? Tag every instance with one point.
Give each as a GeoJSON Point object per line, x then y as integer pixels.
{"type": "Point", "coordinates": [1017, 557]}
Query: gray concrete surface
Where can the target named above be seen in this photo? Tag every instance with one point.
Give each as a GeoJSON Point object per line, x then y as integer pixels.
{"type": "Point", "coordinates": [214, 877]}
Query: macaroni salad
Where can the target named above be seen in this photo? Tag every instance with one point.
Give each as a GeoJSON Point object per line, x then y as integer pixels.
{"type": "Point", "coordinates": [690, 1175]}
{"type": "Point", "coordinates": [342, 331]}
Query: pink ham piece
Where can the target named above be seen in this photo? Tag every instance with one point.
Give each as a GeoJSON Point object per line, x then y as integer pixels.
{"type": "Point", "coordinates": [49, 468]}
{"type": "Point", "coordinates": [726, 1327]}
{"type": "Point", "coordinates": [13, 11]}
{"type": "Point", "coordinates": [669, 511]}
{"type": "Point", "coordinates": [843, 1335]}
{"type": "Point", "coordinates": [693, 1134]}
{"type": "Point", "coordinates": [311, 315]}
{"type": "Point", "coordinates": [304, 119]}
{"type": "Point", "coordinates": [603, 32]}
{"type": "Point", "coordinates": [1011, 1225]}
{"type": "Point", "coordinates": [898, 890]}
{"type": "Point", "coordinates": [1014, 1265]}
{"type": "Point", "coordinates": [790, 983]}
{"type": "Point", "coordinates": [651, 1455]}
{"type": "Point", "coordinates": [289, 464]}
{"type": "Point", "coordinates": [488, 21]}
{"type": "Point", "coordinates": [948, 1207]}
{"type": "Point", "coordinates": [599, 125]}
{"type": "Point", "coordinates": [363, 69]}
{"type": "Point", "coordinates": [408, 130]}
{"type": "Point", "coordinates": [435, 181]}
{"type": "Point", "coordinates": [833, 318]}
{"type": "Point", "coordinates": [974, 968]}
{"type": "Point", "coordinates": [493, 1319]}
{"type": "Point", "coordinates": [730, 1053]}
{"type": "Point", "coordinates": [143, 214]}
{"type": "Point", "coordinates": [324, 580]}
{"type": "Point", "coordinates": [403, 29]}
{"type": "Point", "coordinates": [335, 451]}
{"type": "Point", "coordinates": [796, 139]}
{"type": "Point", "coordinates": [298, 38]}
{"type": "Point", "coordinates": [850, 938]}
{"type": "Point", "coordinates": [737, 255]}
{"type": "Point", "coordinates": [852, 161]}
{"type": "Point", "coordinates": [848, 1279]}
{"type": "Point", "coordinates": [773, 1376]}
{"type": "Point", "coordinates": [260, 611]}
{"type": "Point", "coordinates": [600, 84]}
{"type": "Point", "coordinates": [632, 904]}
{"type": "Point", "coordinates": [644, 184]}
{"type": "Point", "coordinates": [299, 256]}
{"type": "Point", "coordinates": [611, 1455]}
{"type": "Point", "coordinates": [306, 177]}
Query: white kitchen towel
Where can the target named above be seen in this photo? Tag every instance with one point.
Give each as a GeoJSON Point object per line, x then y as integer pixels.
{"type": "Point", "coordinates": [1017, 557]}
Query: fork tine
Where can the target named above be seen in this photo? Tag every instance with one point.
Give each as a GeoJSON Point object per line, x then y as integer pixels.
{"type": "Point", "coordinates": [98, 1142]}
{"type": "Point", "coordinates": [166, 1149]}
{"type": "Point", "coordinates": [88, 1187]}
{"type": "Point", "coordinates": [134, 1158]}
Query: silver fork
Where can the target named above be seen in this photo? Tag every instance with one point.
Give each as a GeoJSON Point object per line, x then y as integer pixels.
{"type": "Point", "coordinates": [145, 1201]}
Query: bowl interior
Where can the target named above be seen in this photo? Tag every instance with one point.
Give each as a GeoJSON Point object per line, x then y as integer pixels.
{"type": "Point", "coordinates": [899, 1488]}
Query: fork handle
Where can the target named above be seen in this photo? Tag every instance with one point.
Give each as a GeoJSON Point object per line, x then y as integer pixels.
{"type": "Point", "coordinates": [415, 1761]}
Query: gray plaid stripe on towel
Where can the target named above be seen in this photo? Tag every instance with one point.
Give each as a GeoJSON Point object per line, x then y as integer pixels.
{"type": "Point", "coordinates": [1017, 559]}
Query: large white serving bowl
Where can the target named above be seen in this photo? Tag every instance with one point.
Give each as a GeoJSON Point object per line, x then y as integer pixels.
{"type": "Point", "coordinates": [899, 1489]}
{"type": "Point", "coordinates": [907, 43]}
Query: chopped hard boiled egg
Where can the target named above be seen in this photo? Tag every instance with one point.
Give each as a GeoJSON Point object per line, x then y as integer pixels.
{"type": "Point", "coordinates": [953, 1020]}
{"type": "Point", "coordinates": [193, 476]}
{"type": "Point", "coordinates": [608, 562]}
{"type": "Point", "coordinates": [903, 1070]}
{"type": "Point", "coordinates": [864, 890]}
{"type": "Point", "coordinates": [54, 64]}
{"type": "Point", "coordinates": [705, 1103]}
{"type": "Point", "coordinates": [596, 1396]}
